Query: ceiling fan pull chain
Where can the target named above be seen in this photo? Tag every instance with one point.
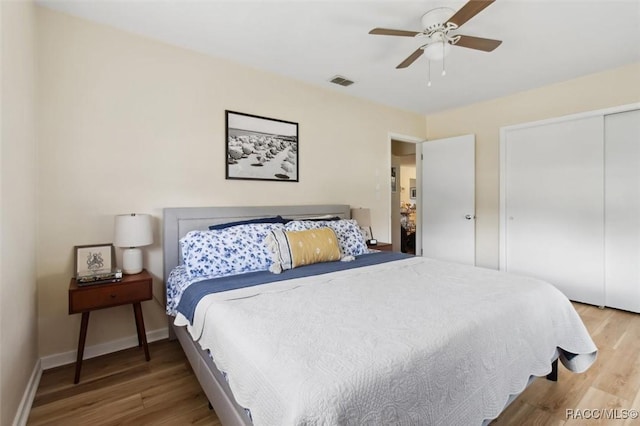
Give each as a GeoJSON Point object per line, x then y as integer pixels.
{"type": "Point", "coordinates": [444, 72]}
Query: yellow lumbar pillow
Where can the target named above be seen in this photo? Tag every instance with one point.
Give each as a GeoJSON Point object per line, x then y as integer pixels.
{"type": "Point", "coordinates": [290, 249]}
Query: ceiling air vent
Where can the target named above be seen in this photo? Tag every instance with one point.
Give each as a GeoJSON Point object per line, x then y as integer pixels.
{"type": "Point", "coordinates": [341, 81]}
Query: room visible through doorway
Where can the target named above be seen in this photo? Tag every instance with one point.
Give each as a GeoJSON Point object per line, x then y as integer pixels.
{"type": "Point", "coordinates": [403, 196]}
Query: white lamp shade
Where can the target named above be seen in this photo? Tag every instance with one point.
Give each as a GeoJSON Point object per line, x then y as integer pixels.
{"type": "Point", "coordinates": [362, 216]}
{"type": "Point", "coordinates": [133, 230]}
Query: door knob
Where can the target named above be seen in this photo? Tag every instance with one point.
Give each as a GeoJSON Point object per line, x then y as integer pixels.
{"type": "Point", "coordinates": [469, 217]}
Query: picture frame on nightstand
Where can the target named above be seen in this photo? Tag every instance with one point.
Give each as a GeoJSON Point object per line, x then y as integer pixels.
{"type": "Point", "coordinates": [366, 233]}
{"type": "Point", "coordinates": [95, 263]}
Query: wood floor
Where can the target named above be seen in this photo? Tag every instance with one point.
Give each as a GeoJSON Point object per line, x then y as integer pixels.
{"type": "Point", "coordinates": [121, 388]}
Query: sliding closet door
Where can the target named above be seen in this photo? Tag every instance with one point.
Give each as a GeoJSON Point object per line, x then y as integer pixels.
{"type": "Point", "coordinates": [554, 220]}
{"type": "Point", "coordinates": [622, 210]}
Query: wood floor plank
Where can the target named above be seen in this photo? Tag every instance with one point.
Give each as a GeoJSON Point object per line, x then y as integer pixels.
{"type": "Point", "coordinates": [182, 388]}
{"type": "Point", "coordinates": [67, 389]}
{"type": "Point", "coordinates": [94, 412]}
{"type": "Point", "coordinates": [613, 329]}
{"type": "Point", "coordinates": [123, 389]}
{"type": "Point", "coordinates": [188, 406]}
{"type": "Point", "coordinates": [622, 375]}
{"type": "Point", "coordinates": [634, 416]}
{"type": "Point", "coordinates": [118, 410]}
{"type": "Point", "coordinates": [630, 339]}
{"type": "Point", "coordinates": [521, 413]}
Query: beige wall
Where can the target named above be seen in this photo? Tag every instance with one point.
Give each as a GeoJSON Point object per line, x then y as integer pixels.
{"type": "Point", "coordinates": [610, 88]}
{"type": "Point", "coordinates": [129, 124]}
{"type": "Point", "coordinates": [18, 333]}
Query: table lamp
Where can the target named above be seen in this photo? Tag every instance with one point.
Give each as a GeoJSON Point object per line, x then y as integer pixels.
{"type": "Point", "coordinates": [132, 231]}
{"type": "Point", "coordinates": [363, 217]}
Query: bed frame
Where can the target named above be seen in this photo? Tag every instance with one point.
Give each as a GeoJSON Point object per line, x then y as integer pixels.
{"type": "Point", "coordinates": [176, 224]}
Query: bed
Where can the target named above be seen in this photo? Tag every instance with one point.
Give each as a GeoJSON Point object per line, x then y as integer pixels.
{"type": "Point", "coordinates": [443, 343]}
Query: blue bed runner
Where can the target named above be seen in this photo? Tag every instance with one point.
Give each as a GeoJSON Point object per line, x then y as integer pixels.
{"type": "Point", "coordinates": [197, 291]}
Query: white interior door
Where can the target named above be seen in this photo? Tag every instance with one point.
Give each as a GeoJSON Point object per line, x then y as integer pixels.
{"type": "Point", "coordinates": [448, 199]}
{"type": "Point", "coordinates": [622, 210]}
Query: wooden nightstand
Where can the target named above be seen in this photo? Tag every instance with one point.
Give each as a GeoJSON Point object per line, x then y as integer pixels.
{"type": "Point", "coordinates": [133, 289]}
{"type": "Point", "coordinates": [382, 246]}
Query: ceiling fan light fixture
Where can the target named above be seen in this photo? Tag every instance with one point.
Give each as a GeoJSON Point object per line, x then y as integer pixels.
{"type": "Point", "coordinates": [437, 51]}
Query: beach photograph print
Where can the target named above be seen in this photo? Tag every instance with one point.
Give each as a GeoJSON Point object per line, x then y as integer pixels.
{"type": "Point", "coordinates": [260, 148]}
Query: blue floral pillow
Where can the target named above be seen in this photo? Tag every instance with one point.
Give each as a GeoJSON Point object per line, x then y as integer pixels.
{"type": "Point", "coordinates": [230, 251]}
{"type": "Point", "coordinates": [349, 236]}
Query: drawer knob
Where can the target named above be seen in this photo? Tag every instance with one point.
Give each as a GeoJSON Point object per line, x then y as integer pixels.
{"type": "Point", "coordinates": [113, 296]}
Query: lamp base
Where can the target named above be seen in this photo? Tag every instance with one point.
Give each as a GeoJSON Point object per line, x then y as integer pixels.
{"type": "Point", "coordinates": [132, 261]}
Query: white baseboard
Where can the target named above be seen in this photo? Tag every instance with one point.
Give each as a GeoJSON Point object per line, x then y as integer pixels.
{"type": "Point", "coordinates": [22, 415]}
{"type": "Point", "coordinates": [56, 360]}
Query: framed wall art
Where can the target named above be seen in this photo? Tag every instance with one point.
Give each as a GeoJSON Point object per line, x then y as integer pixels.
{"type": "Point", "coordinates": [394, 183]}
{"type": "Point", "coordinates": [94, 259]}
{"type": "Point", "coordinates": [261, 148]}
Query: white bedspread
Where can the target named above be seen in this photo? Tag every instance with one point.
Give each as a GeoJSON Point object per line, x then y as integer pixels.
{"type": "Point", "coordinates": [411, 342]}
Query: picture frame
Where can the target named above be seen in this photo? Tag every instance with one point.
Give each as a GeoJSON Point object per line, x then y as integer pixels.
{"type": "Point", "coordinates": [94, 259]}
{"type": "Point", "coordinates": [366, 233]}
{"type": "Point", "coordinates": [394, 183]}
{"type": "Point", "coordinates": [260, 148]}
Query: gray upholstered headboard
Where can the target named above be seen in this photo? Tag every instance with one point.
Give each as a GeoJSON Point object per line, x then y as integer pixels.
{"type": "Point", "coordinates": [178, 221]}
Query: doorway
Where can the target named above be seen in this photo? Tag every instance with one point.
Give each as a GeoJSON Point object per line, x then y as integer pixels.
{"type": "Point", "coordinates": [404, 190]}
{"type": "Point", "coordinates": [442, 213]}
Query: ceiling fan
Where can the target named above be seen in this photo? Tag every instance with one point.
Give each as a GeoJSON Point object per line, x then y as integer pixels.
{"type": "Point", "coordinates": [437, 24]}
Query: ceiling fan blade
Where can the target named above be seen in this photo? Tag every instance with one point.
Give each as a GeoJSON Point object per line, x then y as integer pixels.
{"type": "Point", "coordinates": [411, 59]}
{"type": "Point", "coordinates": [387, 31]}
{"type": "Point", "coordinates": [469, 10]}
{"type": "Point", "coordinates": [478, 43]}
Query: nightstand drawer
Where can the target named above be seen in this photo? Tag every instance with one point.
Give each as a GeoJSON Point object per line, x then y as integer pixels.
{"type": "Point", "coordinates": [106, 295]}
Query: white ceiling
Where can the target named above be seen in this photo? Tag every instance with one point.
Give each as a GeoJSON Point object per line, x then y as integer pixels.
{"type": "Point", "coordinates": [544, 41]}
